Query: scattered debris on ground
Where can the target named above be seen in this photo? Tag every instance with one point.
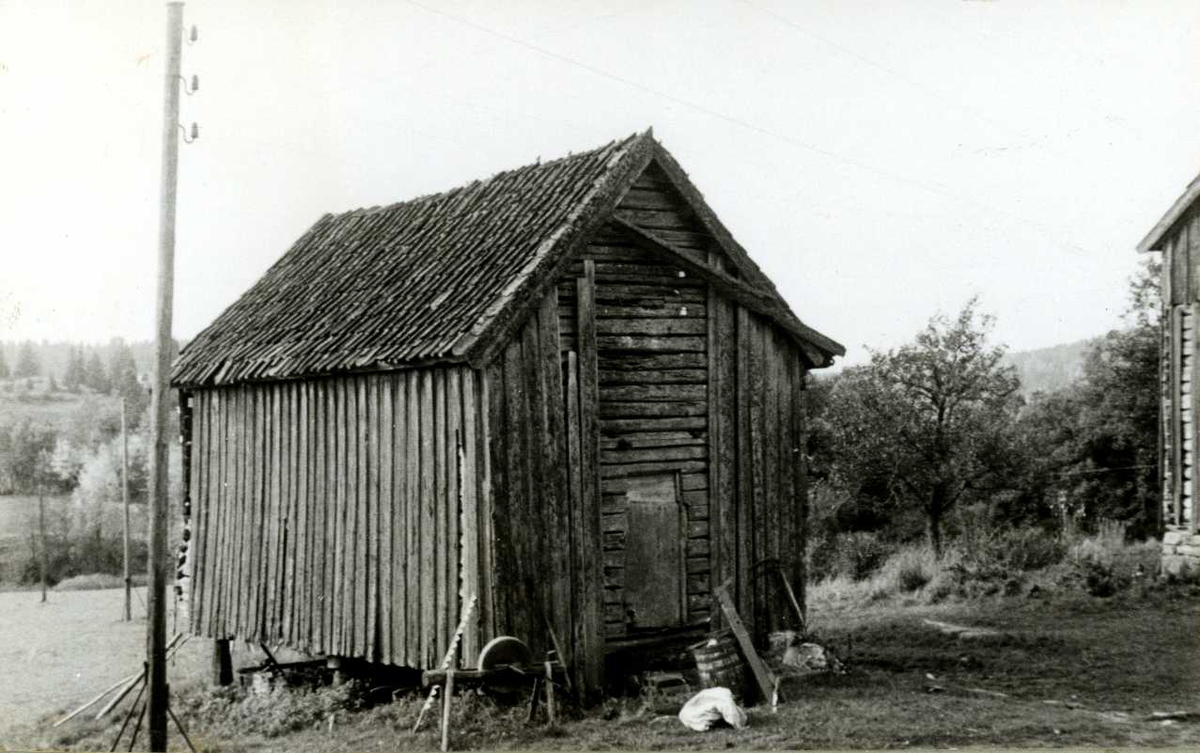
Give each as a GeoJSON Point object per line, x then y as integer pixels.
{"type": "Point", "coordinates": [710, 706]}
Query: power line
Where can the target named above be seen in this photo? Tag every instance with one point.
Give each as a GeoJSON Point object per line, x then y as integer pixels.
{"type": "Point", "coordinates": [744, 124]}
{"type": "Point", "coordinates": [927, 90]}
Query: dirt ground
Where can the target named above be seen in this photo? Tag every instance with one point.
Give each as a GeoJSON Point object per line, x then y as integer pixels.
{"type": "Point", "coordinates": [1058, 672]}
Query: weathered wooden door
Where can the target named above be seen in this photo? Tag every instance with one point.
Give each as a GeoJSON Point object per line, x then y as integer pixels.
{"type": "Point", "coordinates": [654, 593]}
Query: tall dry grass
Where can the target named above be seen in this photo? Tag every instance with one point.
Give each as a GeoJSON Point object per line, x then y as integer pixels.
{"type": "Point", "coordinates": [994, 564]}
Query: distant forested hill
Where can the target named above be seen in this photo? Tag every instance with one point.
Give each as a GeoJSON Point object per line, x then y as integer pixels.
{"type": "Point", "coordinates": [1049, 369]}
{"type": "Point", "coordinates": [52, 356]}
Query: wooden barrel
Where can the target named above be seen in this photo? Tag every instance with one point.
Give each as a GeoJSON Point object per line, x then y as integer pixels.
{"type": "Point", "coordinates": [720, 664]}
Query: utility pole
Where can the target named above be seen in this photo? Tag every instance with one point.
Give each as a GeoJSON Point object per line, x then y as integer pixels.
{"type": "Point", "coordinates": [125, 503]}
{"type": "Point", "coordinates": [156, 627]}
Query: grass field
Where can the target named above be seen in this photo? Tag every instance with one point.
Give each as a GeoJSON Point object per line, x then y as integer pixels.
{"type": "Point", "coordinates": [1067, 671]}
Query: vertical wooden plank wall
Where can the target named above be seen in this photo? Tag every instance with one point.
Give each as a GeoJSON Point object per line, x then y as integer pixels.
{"type": "Point", "coordinates": [1180, 404]}
{"type": "Point", "coordinates": [334, 515]}
{"type": "Point", "coordinates": [531, 562]}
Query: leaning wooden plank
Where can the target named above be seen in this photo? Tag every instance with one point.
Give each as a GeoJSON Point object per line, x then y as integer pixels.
{"type": "Point", "coordinates": [763, 676]}
{"type": "Point", "coordinates": [97, 698]}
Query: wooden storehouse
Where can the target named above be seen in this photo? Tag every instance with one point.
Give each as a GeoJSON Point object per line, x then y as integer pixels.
{"type": "Point", "coordinates": [1177, 237]}
{"type": "Point", "coordinates": [565, 389]}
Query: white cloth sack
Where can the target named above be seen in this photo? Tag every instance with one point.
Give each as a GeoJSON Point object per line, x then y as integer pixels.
{"type": "Point", "coordinates": [708, 706]}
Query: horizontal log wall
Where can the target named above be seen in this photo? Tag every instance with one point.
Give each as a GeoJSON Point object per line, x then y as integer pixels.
{"type": "Point", "coordinates": [327, 513]}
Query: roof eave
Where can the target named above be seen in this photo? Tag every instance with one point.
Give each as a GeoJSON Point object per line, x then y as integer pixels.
{"type": "Point", "coordinates": [1154, 238]}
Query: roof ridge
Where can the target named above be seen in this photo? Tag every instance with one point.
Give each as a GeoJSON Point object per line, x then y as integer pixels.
{"type": "Point", "coordinates": [480, 182]}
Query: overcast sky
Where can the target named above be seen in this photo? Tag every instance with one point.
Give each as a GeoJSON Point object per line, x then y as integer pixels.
{"type": "Point", "coordinates": [880, 160]}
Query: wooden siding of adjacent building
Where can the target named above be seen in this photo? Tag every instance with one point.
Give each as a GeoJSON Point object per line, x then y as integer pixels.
{"type": "Point", "coordinates": [334, 515]}
{"type": "Point", "coordinates": [1180, 406]}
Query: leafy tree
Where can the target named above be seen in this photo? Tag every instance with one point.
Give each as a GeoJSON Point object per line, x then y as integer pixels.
{"type": "Point", "coordinates": [123, 377]}
{"type": "Point", "coordinates": [27, 361]}
{"type": "Point", "coordinates": [73, 375]}
{"type": "Point", "coordinates": [94, 375]}
{"type": "Point", "coordinates": [4, 372]}
{"type": "Point", "coordinates": [30, 447]}
{"type": "Point", "coordinates": [1096, 442]}
{"type": "Point", "coordinates": [922, 426]}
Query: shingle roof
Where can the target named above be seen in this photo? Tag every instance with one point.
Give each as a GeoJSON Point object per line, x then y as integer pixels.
{"type": "Point", "coordinates": [1153, 239]}
{"type": "Point", "coordinates": [424, 280]}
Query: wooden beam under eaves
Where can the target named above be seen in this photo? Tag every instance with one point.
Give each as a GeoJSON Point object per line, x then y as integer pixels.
{"type": "Point", "coordinates": [758, 301]}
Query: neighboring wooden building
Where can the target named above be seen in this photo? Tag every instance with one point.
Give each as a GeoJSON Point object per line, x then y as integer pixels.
{"type": "Point", "coordinates": [565, 389]}
{"type": "Point", "coordinates": [1177, 236]}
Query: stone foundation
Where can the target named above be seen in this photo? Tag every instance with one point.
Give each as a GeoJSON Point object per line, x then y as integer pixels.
{"type": "Point", "coordinates": [1180, 553]}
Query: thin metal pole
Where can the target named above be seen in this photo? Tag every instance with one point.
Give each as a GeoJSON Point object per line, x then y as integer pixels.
{"type": "Point", "coordinates": [42, 530]}
{"type": "Point", "coordinates": [156, 629]}
{"type": "Point", "coordinates": [125, 503]}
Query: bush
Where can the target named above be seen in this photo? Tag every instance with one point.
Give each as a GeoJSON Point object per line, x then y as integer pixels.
{"type": "Point", "coordinates": [1000, 557]}
{"type": "Point", "coordinates": [1102, 579]}
{"type": "Point", "coordinates": [1027, 549]}
{"type": "Point", "coordinates": [1104, 564]}
{"type": "Point", "coordinates": [909, 570]}
{"type": "Point", "coordinates": [860, 554]}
